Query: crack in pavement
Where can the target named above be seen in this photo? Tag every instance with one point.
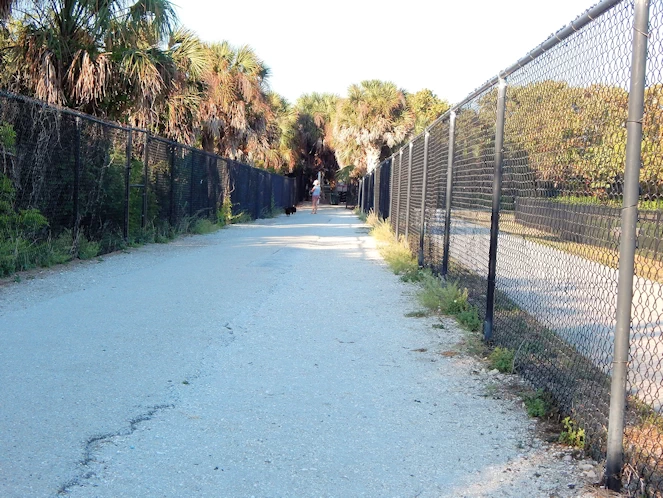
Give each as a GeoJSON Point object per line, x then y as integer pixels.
{"type": "Point", "coordinates": [93, 443]}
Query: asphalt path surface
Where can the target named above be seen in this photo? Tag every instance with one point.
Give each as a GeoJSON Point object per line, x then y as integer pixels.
{"type": "Point", "coordinates": [267, 359]}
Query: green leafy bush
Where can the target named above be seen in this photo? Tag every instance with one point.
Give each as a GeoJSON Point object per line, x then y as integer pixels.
{"type": "Point", "coordinates": [202, 226]}
{"type": "Point", "coordinates": [501, 359]}
{"type": "Point", "coordinates": [447, 298]}
{"type": "Point", "coordinates": [88, 249]}
{"type": "Point", "coordinates": [536, 404]}
{"type": "Point", "coordinates": [469, 318]}
{"type": "Point", "coordinates": [7, 137]}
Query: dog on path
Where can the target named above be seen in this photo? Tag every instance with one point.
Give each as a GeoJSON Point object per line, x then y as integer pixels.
{"type": "Point", "coordinates": [290, 210]}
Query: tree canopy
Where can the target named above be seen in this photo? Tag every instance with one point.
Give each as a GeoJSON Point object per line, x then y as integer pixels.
{"type": "Point", "coordinates": [131, 61]}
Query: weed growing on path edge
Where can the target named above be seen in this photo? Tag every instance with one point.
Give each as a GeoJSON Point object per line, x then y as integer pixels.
{"type": "Point", "coordinates": [203, 226]}
{"type": "Point", "coordinates": [501, 359]}
{"type": "Point", "coordinates": [372, 219]}
{"type": "Point", "coordinates": [242, 217]}
{"type": "Point", "coordinates": [381, 231]}
{"type": "Point", "coordinates": [435, 295]}
{"type": "Point", "coordinates": [417, 314]}
{"type": "Point", "coordinates": [572, 434]}
{"type": "Point", "coordinates": [536, 404]}
{"type": "Point", "coordinates": [449, 299]}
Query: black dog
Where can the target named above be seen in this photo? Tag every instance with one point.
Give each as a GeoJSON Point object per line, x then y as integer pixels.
{"type": "Point", "coordinates": [290, 210]}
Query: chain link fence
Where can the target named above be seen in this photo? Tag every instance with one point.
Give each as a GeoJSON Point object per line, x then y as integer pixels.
{"type": "Point", "coordinates": [75, 186]}
{"type": "Point", "coordinates": [555, 193]}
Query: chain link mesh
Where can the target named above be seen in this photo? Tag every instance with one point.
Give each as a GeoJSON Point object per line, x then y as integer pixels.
{"type": "Point", "coordinates": [416, 192]}
{"type": "Point", "coordinates": [436, 193]}
{"type": "Point", "coordinates": [559, 225]}
{"type": "Point", "coordinates": [395, 191]}
{"type": "Point", "coordinates": [74, 186]}
{"type": "Point", "coordinates": [473, 168]}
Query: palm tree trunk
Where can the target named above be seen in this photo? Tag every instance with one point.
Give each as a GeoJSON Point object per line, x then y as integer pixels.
{"type": "Point", "coordinates": [372, 157]}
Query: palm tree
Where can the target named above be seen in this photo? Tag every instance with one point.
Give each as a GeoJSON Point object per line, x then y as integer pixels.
{"type": "Point", "coordinates": [282, 136]}
{"type": "Point", "coordinates": [315, 116]}
{"type": "Point", "coordinates": [99, 57]}
{"type": "Point", "coordinates": [371, 120]}
{"type": "Point", "coordinates": [236, 110]}
{"type": "Point", "coordinates": [179, 109]}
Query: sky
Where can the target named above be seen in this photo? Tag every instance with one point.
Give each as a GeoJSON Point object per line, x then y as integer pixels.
{"type": "Point", "coordinates": [448, 46]}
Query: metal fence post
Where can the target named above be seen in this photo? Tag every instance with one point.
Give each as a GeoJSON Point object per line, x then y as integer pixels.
{"type": "Point", "coordinates": [449, 192]}
{"type": "Point", "coordinates": [385, 190]}
{"type": "Point", "coordinates": [77, 182]}
{"type": "Point", "coordinates": [171, 213]}
{"type": "Point", "coordinates": [495, 216]}
{"type": "Point", "coordinates": [424, 186]}
{"type": "Point", "coordinates": [146, 158]}
{"type": "Point", "coordinates": [409, 191]}
{"type": "Point", "coordinates": [376, 189]}
{"type": "Point", "coordinates": [127, 186]}
{"type": "Point", "coordinates": [362, 203]}
{"type": "Point", "coordinates": [191, 184]}
{"type": "Point", "coordinates": [391, 184]}
{"type": "Point", "coordinates": [615, 450]}
{"type": "Point", "coordinates": [398, 199]}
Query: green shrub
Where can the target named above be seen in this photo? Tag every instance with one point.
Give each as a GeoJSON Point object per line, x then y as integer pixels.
{"type": "Point", "coordinates": [469, 318]}
{"type": "Point", "coordinates": [242, 217]}
{"type": "Point", "coordinates": [224, 215]}
{"type": "Point", "coordinates": [111, 241]}
{"type": "Point", "coordinates": [430, 295]}
{"type": "Point", "coordinates": [7, 137]}
{"type": "Point", "coordinates": [536, 404]}
{"type": "Point", "coordinates": [87, 249]}
{"type": "Point", "coordinates": [501, 359]}
{"type": "Point", "coordinates": [444, 297]}
{"type": "Point", "coordinates": [202, 226]}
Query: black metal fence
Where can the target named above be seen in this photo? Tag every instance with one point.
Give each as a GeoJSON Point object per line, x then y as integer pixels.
{"type": "Point", "coordinates": [72, 185]}
{"type": "Point", "coordinates": [544, 187]}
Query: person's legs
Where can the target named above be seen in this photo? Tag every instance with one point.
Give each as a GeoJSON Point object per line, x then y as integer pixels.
{"type": "Point", "coordinates": [316, 200]}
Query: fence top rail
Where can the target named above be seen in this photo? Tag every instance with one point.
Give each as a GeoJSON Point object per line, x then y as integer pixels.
{"type": "Point", "coordinates": [581, 21]}
{"type": "Point", "coordinates": [66, 110]}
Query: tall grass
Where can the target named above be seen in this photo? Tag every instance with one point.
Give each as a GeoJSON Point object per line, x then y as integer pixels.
{"type": "Point", "coordinates": [397, 254]}
{"type": "Point", "coordinates": [434, 294]}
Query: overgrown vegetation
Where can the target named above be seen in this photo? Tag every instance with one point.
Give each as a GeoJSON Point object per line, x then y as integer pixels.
{"type": "Point", "coordinates": [397, 254]}
{"type": "Point", "coordinates": [434, 294]}
{"type": "Point", "coordinates": [447, 298]}
{"type": "Point", "coordinates": [27, 239]}
{"type": "Point", "coordinates": [538, 404]}
{"type": "Point", "coordinates": [501, 359]}
{"type": "Point", "coordinates": [572, 434]}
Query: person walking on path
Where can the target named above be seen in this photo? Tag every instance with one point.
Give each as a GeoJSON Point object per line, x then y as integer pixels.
{"type": "Point", "coordinates": [315, 196]}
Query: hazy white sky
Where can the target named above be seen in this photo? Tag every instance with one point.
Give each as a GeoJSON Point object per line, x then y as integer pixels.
{"type": "Point", "coordinates": [450, 47]}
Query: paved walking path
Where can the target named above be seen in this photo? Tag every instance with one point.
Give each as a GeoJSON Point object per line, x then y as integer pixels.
{"type": "Point", "coordinates": [268, 359]}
